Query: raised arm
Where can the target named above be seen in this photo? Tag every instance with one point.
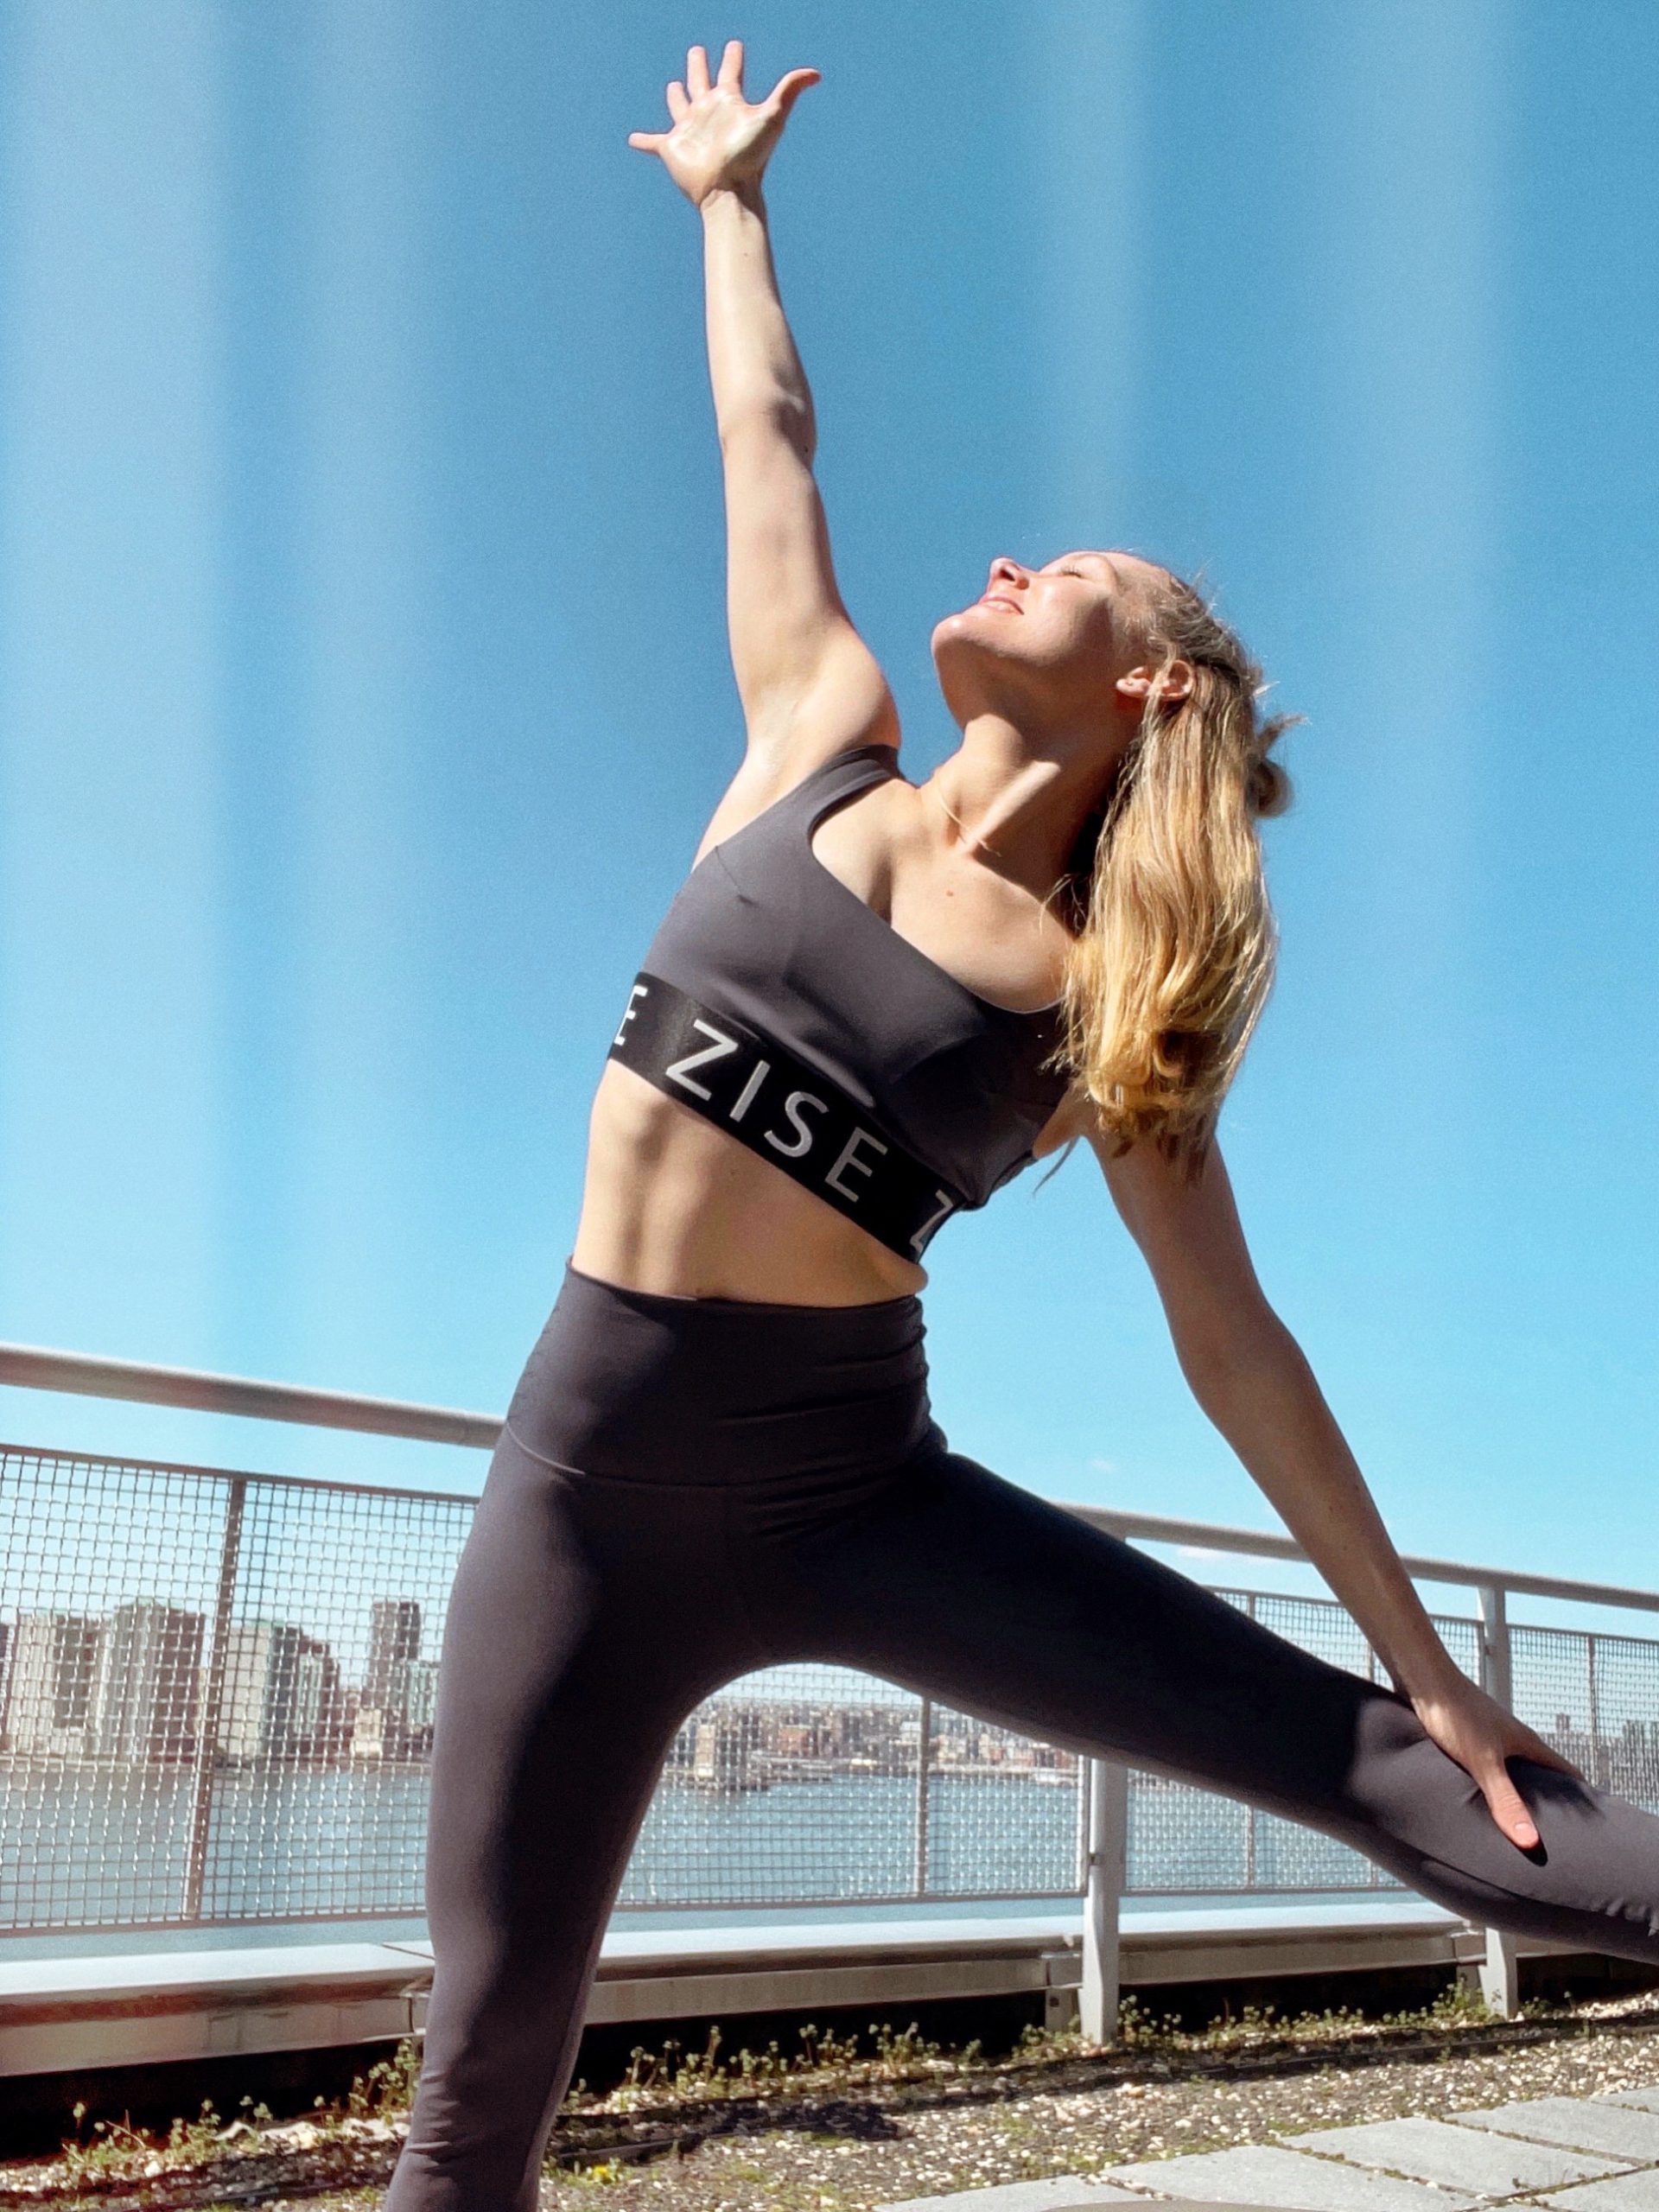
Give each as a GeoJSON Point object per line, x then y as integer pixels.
{"type": "Point", "coordinates": [1249, 1375]}
{"type": "Point", "coordinates": [808, 683]}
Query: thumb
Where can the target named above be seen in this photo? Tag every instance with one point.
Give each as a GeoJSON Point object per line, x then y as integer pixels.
{"type": "Point", "coordinates": [1508, 1808]}
{"type": "Point", "coordinates": [788, 90]}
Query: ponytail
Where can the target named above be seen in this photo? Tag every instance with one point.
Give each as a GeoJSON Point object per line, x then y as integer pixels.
{"type": "Point", "coordinates": [1174, 957]}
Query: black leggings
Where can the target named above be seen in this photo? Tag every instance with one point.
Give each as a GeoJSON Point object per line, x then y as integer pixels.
{"type": "Point", "coordinates": [691, 1488]}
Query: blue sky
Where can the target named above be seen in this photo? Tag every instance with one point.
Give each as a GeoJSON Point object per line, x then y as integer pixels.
{"type": "Point", "coordinates": [363, 684]}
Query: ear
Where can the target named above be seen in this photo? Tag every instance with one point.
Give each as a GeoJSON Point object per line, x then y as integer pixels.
{"type": "Point", "coordinates": [1167, 683]}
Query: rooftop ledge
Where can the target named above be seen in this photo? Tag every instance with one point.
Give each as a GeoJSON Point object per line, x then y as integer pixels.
{"type": "Point", "coordinates": [59, 2015]}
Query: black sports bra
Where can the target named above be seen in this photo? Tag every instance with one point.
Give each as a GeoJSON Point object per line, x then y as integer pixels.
{"type": "Point", "coordinates": [762, 933]}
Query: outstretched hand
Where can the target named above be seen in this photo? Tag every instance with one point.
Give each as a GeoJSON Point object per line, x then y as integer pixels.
{"type": "Point", "coordinates": [1476, 1732]}
{"type": "Point", "coordinates": [718, 139]}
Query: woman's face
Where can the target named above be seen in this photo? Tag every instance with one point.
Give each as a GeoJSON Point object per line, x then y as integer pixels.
{"type": "Point", "coordinates": [1048, 644]}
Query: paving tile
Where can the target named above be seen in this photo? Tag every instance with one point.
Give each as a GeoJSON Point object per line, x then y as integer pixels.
{"type": "Point", "coordinates": [1457, 2157]}
{"type": "Point", "coordinates": [1061, 2193]}
{"type": "Point", "coordinates": [1648, 2098]}
{"type": "Point", "coordinates": [1263, 2175]}
{"type": "Point", "coordinates": [1583, 2123]}
{"type": "Point", "coordinates": [1624, 2193]}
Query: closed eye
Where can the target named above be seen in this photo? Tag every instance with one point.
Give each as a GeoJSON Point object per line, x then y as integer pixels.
{"type": "Point", "coordinates": [1088, 575]}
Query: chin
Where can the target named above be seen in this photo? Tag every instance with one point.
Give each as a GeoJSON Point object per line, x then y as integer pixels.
{"type": "Point", "coordinates": [966, 626]}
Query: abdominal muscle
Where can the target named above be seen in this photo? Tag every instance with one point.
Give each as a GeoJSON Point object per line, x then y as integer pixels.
{"type": "Point", "coordinates": [670, 1205]}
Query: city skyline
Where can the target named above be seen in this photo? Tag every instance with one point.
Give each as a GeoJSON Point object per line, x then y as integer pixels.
{"type": "Point", "coordinates": [131, 1687]}
{"type": "Point", "coordinates": [135, 1687]}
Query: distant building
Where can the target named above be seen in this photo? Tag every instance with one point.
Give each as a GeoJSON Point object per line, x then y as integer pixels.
{"type": "Point", "coordinates": [720, 1750]}
{"type": "Point", "coordinates": [394, 1639]}
{"type": "Point", "coordinates": [416, 1690]}
{"type": "Point", "coordinates": [402, 1728]}
{"type": "Point", "coordinates": [322, 1716]}
{"type": "Point", "coordinates": [54, 1685]}
{"type": "Point", "coordinates": [394, 1719]}
{"type": "Point", "coordinates": [681, 1751]}
{"type": "Point", "coordinates": [145, 1698]}
{"type": "Point", "coordinates": [369, 1732]}
{"type": "Point", "coordinates": [279, 1697]}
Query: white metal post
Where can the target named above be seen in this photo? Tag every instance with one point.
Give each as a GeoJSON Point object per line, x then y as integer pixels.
{"type": "Point", "coordinates": [1108, 1828]}
{"type": "Point", "coordinates": [210, 1714]}
{"type": "Point", "coordinates": [924, 1778]}
{"type": "Point", "coordinates": [1499, 1978]}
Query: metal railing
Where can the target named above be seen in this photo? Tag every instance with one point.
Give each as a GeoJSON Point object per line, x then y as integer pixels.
{"type": "Point", "coordinates": [217, 1692]}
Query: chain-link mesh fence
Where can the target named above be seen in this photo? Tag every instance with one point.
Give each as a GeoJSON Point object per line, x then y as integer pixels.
{"type": "Point", "coordinates": [1187, 1842]}
{"type": "Point", "coordinates": [1596, 1700]}
{"type": "Point", "coordinates": [217, 1694]}
{"type": "Point", "coordinates": [816, 1784]}
{"type": "Point", "coordinates": [799, 1784]}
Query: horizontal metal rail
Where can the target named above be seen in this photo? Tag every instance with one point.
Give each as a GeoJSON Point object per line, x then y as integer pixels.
{"type": "Point", "coordinates": [28, 1367]}
{"type": "Point", "coordinates": [1154, 1529]}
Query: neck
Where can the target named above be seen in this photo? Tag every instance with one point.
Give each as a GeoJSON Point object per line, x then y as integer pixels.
{"type": "Point", "coordinates": [1019, 804]}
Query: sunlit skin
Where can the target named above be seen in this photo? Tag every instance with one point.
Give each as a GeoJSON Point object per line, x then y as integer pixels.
{"type": "Point", "coordinates": [1047, 674]}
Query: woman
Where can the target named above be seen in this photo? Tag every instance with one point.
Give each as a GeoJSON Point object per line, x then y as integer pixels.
{"type": "Point", "coordinates": [869, 1005]}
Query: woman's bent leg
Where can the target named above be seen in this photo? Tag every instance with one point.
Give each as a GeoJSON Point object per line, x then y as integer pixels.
{"type": "Point", "coordinates": [949, 1579]}
{"type": "Point", "coordinates": [581, 1630]}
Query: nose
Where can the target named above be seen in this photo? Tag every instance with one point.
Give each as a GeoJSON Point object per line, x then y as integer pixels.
{"type": "Point", "coordinates": [1007, 571]}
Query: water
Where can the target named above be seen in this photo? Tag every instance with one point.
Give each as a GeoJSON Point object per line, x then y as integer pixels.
{"type": "Point", "coordinates": [313, 1847]}
{"type": "Point", "coordinates": [845, 1838]}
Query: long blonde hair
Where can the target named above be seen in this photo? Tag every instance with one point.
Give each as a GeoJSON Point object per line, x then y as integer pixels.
{"type": "Point", "coordinates": [1175, 942]}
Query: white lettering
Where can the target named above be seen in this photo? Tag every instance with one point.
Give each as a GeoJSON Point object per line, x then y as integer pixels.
{"type": "Point", "coordinates": [675, 1071]}
{"type": "Point", "coordinates": [848, 1159]}
{"type": "Point", "coordinates": [947, 1205]}
{"type": "Point", "coordinates": [792, 1105]}
{"type": "Point", "coordinates": [637, 992]}
{"type": "Point", "coordinates": [746, 1096]}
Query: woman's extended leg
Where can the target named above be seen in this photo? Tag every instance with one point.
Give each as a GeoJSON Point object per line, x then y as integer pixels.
{"type": "Point", "coordinates": [587, 1620]}
{"type": "Point", "coordinates": [945, 1578]}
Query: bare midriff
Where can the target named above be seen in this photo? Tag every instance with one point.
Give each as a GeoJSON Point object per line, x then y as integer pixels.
{"type": "Point", "coordinates": [671, 1205]}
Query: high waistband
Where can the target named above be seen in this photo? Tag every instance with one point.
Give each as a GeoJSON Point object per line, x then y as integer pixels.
{"type": "Point", "coordinates": [643, 1386]}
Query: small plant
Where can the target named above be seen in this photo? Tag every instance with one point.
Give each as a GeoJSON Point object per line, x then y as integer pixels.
{"type": "Point", "coordinates": [108, 2152]}
{"type": "Point", "coordinates": [601, 2175]}
{"type": "Point", "coordinates": [1459, 2004]}
{"type": "Point", "coordinates": [388, 2086]}
{"type": "Point", "coordinates": [1040, 2044]}
{"type": "Point", "coordinates": [193, 2141]}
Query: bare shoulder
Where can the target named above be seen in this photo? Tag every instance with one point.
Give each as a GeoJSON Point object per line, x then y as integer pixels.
{"type": "Point", "coordinates": [1146, 1185]}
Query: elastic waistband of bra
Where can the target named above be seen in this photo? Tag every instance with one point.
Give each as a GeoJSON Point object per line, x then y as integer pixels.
{"type": "Point", "coordinates": [645, 1385]}
{"type": "Point", "coordinates": [793, 1116]}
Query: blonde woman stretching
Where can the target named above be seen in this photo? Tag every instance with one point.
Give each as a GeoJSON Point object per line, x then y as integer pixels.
{"type": "Point", "coordinates": [872, 1003]}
